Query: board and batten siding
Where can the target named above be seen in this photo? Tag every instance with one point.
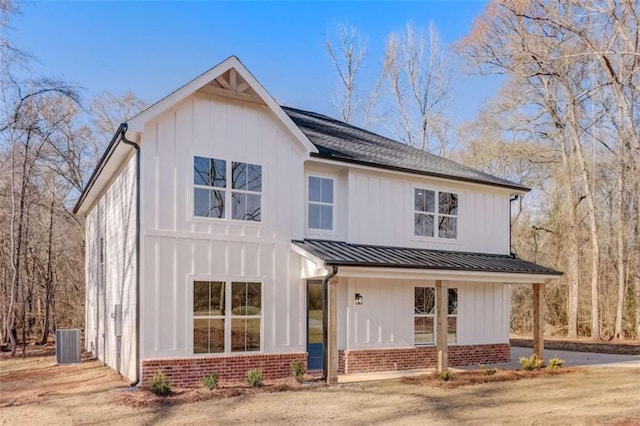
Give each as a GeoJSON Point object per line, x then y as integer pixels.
{"type": "Point", "coordinates": [386, 318]}
{"type": "Point", "coordinates": [179, 248]}
{"type": "Point", "coordinates": [113, 218]}
{"type": "Point", "coordinates": [381, 212]}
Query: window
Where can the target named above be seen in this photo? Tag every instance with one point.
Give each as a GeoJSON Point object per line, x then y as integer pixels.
{"type": "Point", "coordinates": [424, 315]}
{"type": "Point", "coordinates": [246, 181]}
{"type": "Point", "coordinates": [208, 316]}
{"type": "Point", "coordinates": [424, 321]}
{"type": "Point", "coordinates": [435, 210]}
{"type": "Point", "coordinates": [245, 316]}
{"type": "Point", "coordinates": [320, 208]}
{"type": "Point", "coordinates": [212, 194]}
{"type": "Point", "coordinates": [220, 310]}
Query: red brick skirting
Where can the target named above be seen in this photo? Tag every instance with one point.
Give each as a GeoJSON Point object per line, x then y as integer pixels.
{"type": "Point", "coordinates": [230, 369]}
{"type": "Point", "coordinates": [375, 360]}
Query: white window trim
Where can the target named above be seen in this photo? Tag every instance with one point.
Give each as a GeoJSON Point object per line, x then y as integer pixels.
{"type": "Point", "coordinates": [228, 316]}
{"type": "Point", "coordinates": [435, 214]}
{"type": "Point", "coordinates": [313, 232]}
{"type": "Point", "coordinates": [228, 197]}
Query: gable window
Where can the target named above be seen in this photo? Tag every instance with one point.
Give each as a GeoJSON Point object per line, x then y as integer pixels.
{"type": "Point", "coordinates": [424, 321]}
{"type": "Point", "coordinates": [320, 203]}
{"type": "Point", "coordinates": [214, 197]}
{"type": "Point", "coordinates": [435, 214]}
{"type": "Point", "coordinates": [246, 182]}
{"type": "Point", "coordinates": [222, 309]}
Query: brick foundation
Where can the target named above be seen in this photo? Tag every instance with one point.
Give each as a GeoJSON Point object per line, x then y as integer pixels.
{"type": "Point", "coordinates": [231, 369]}
{"type": "Point", "coordinates": [376, 360]}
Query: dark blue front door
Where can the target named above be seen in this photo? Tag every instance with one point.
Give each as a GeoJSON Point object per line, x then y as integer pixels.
{"type": "Point", "coordinates": [314, 325]}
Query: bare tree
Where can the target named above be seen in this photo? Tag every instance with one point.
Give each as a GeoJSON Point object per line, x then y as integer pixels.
{"type": "Point", "coordinates": [356, 101]}
{"type": "Point", "coordinates": [420, 86]}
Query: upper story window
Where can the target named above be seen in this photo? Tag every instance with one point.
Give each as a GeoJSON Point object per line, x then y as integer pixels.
{"type": "Point", "coordinates": [320, 198]}
{"type": "Point", "coordinates": [435, 211]}
{"type": "Point", "coordinates": [213, 195]}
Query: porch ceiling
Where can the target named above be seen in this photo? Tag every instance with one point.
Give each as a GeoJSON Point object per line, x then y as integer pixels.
{"type": "Point", "coordinates": [360, 256]}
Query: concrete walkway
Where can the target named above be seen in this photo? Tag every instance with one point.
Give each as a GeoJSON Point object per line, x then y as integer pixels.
{"type": "Point", "coordinates": [572, 359]}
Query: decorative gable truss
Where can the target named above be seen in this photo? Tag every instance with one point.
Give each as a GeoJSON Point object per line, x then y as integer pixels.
{"type": "Point", "coordinates": [231, 84]}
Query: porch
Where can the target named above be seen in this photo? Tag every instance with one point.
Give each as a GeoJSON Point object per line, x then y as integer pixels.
{"type": "Point", "coordinates": [389, 309]}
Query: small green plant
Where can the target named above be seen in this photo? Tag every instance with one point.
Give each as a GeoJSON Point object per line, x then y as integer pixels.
{"type": "Point", "coordinates": [531, 363]}
{"type": "Point", "coordinates": [159, 384]}
{"type": "Point", "coordinates": [489, 371]}
{"type": "Point", "coordinates": [211, 381]}
{"type": "Point", "coordinates": [445, 375]}
{"type": "Point", "coordinates": [555, 362]}
{"type": "Point", "coordinates": [297, 371]}
{"type": "Point", "coordinates": [254, 377]}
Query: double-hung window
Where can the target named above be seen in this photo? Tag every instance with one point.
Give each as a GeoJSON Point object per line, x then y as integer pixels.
{"type": "Point", "coordinates": [435, 214]}
{"type": "Point", "coordinates": [320, 203]}
{"type": "Point", "coordinates": [226, 316]}
{"type": "Point", "coordinates": [424, 320]}
{"type": "Point", "coordinates": [213, 195]}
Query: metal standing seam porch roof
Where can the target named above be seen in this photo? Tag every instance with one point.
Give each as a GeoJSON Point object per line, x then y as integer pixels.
{"type": "Point", "coordinates": [340, 253]}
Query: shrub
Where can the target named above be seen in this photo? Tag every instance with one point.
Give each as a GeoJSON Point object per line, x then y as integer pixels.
{"type": "Point", "coordinates": [489, 371]}
{"type": "Point", "coordinates": [159, 384]}
{"type": "Point", "coordinates": [211, 381]}
{"type": "Point", "coordinates": [297, 371]}
{"type": "Point", "coordinates": [254, 377]}
{"type": "Point", "coordinates": [531, 363]}
{"type": "Point", "coordinates": [444, 375]}
{"type": "Point", "coordinates": [555, 362]}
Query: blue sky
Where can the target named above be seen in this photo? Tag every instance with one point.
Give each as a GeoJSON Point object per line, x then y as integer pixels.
{"type": "Point", "coordinates": [153, 47]}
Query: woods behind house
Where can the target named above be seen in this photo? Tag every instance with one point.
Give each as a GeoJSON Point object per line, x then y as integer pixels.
{"type": "Point", "coordinates": [565, 122]}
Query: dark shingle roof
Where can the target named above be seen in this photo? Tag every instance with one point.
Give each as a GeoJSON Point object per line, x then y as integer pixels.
{"type": "Point", "coordinates": [340, 141]}
{"type": "Point", "coordinates": [340, 253]}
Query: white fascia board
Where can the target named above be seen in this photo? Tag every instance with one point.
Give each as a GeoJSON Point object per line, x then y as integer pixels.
{"type": "Point", "coordinates": [445, 275]}
{"type": "Point", "coordinates": [413, 176]}
{"type": "Point", "coordinates": [137, 123]}
{"type": "Point", "coordinates": [311, 257]}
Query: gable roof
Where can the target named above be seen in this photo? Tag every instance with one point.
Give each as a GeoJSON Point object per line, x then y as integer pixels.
{"type": "Point", "coordinates": [340, 141]}
{"type": "Point", "coordinates": [137, 122]}
{"type": "Point", "coordinates": [116, 153]}
{"type": "Point", "coordinates": [340, 253]}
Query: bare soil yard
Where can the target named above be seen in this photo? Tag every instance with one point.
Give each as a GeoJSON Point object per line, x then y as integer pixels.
{"type": "Point", "coordinates": [35, 391]}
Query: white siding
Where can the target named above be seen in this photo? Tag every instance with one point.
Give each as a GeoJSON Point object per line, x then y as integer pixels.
{"type": "Point", "coordinates": [385, 319]}
{"type": "Point", "coordinates": [179, 248]}
{"type": "Point", "coordinates": [113, 218]}
{"type": "Point", "coordinates": [340, 201]}
{"type": "Point", "coordinates": [381, 212]}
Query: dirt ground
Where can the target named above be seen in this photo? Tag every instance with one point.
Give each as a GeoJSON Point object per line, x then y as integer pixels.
{"type": "Point", "coordinates": [35, 391]}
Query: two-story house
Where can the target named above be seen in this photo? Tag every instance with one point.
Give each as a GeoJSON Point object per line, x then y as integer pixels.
{"type": "Point", "coordinates": [225, 232]}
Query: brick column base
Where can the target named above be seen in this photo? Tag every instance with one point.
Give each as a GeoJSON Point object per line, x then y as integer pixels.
{"type": "Point", "coordinates": [233, 369]}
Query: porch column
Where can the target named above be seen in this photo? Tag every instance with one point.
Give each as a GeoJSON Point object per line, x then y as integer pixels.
{"type": "Point", "coordinates": [332, 335]}
{"type": "Point", "coordinates": [442, 325]}
{"type": "Point", "coordinates": [538, 320]}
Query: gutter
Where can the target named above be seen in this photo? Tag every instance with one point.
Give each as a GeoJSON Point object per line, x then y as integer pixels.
{"type": "Point", "coordinates": [122, 130]}
{"type": "Point", "coordinates": [325, 320]}
{"type": "Point", "coordinates": [511, 200]}
{"type": "Point", "coordinates": [117, 137]}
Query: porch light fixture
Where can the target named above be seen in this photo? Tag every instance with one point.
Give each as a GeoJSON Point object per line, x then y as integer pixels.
{"type": "Point", "coordinates": [359, 299]}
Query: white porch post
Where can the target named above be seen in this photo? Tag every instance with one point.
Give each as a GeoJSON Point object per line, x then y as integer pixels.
{"type": "Point", "coordinates": [442, 325]}
{"type": "Point", "coordinates": [538, 320]}
{"type": "Point", "coordinates": [332, 335]}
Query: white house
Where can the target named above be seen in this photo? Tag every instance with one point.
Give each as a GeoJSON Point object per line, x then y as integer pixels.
{"type": "Point", "coordinates": [217, 219]}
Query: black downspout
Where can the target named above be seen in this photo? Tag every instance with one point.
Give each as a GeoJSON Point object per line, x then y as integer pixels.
{"type": "Point", "coordinates": [511, 200]}
{"type": "Point", "coordinates": [325, 320]}
{"type": "Point", "coordinates": [124, 139]}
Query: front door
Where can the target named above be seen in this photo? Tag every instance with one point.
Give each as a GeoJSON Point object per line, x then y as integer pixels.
{"type": "Point", "coordinates": [314, 325]}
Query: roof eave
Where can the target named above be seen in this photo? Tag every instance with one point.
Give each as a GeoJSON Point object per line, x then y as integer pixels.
{"type": "Point", "coordinates": [521, 189]}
